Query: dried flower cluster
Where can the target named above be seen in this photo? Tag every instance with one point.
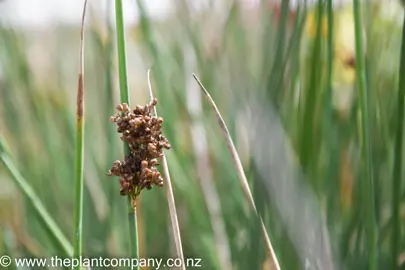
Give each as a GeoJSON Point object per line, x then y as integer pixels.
{"type": "Point", "coordinates": [142, 131]}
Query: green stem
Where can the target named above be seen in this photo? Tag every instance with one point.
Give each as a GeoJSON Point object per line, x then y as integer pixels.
{"type": "Point", "coordinates": [368, 182]}
{"type": "Point", "coordinates": [276, 75]}
{"type": "Point", "coordinates": [111, 131]}
{"type": "Point", "coordinates": [122, 62]}
{"type": "Point", "coordinates": [329, 129]}
{"type": "Point", "coordinates": [330, 52]}
{"type": "Point", "coordinates": [50, 225]}
{"type": "Point", "coordinates": [79, 187]}
{"type": "Point", "coordinates": [79, 149]}
{"type": "Point", "coordinates": [307, 154]}
{"type": "Point", "coordinates": [397, 175]}
{"type": "Point", "coordinates": [122, 69]}
{"type": "Point", "coordinates": [133, 229]}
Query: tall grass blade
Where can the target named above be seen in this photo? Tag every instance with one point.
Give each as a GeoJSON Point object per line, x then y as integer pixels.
{"type": "Point", "coordinates": [109, 91]}
{"type": "Point", "coordinates": [124, 94]}
{"type": "Point", "coordinates": [308, 145]}
{"type": "Point", "coordinates": [397, 175]}
{"type": "Point", "coordinates": [170, 196]}
{"type": "Point", "coordinates": [329, 129]}
{"type": "Point", "coordinates": [368, 182]}
{"type": "Point", "coordinates": [79, 155]}
{"type": "Point", "coordinates": [29, 193]}
{"type": "Point", "coordinates": [240, 172]}
{"type": "Point", "coordinates": [277, 72]}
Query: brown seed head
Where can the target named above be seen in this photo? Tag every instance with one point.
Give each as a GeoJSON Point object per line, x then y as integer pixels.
{"type": "Point", "coordinates": [142, 131]}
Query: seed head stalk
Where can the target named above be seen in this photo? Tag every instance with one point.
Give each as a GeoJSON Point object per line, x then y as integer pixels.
{"type": "Point", "coordinates": [124, 94]}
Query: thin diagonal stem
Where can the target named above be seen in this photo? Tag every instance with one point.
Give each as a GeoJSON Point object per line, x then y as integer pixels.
{"type": "Point", "coordinates": [169, 195]}
{"type": "Point", "coordinates": [241, 173]}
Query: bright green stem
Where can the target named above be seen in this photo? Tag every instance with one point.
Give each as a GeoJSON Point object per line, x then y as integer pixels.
{"type": "Point", "coordinates": [397, 175]}
{"type": "Point", "coordinates": [133, 229]}
{"type": "Point", "coordinates": [79, 186]}
{"type": "Point", "coordinates": [122, 62]}
{"type": "Point", "coordinates": [369, 204]}
{"type": "Point", "coordinates": [122, 69]}
{"type": "Point", "coordinates": [50, 225]}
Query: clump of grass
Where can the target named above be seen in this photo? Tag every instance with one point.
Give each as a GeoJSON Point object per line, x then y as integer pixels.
{"type": "Point", "coordinates": [38, 124]}
{"type": "Point", "coordinates": [55, 233]}
{"type": "Point", "coordinates": [142, 132]}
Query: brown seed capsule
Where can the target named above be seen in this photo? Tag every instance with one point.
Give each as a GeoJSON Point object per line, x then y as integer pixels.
{"type": "Point", "coordinates": [137, 122]}
{"type": "Point", "coordinates": [151, 147]}
{"type": "Point", "coordinates": [160, 182]}
{"type": "Point", "coordinates": [138, 108]}
{"type": "Point", "coordinates": [125, 107]}
{"type": "Point", "coordinates": [154, 162]}
{"type": "Point", "coordinates": [155, 175]}
{"type": "Point", "coordinates": [119, 107]}
{"type": "Point", "coordinates": [147, 172]}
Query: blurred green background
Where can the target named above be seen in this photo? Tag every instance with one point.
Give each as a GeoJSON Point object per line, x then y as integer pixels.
{"type": "Point", "coordinates": [268, 66]}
